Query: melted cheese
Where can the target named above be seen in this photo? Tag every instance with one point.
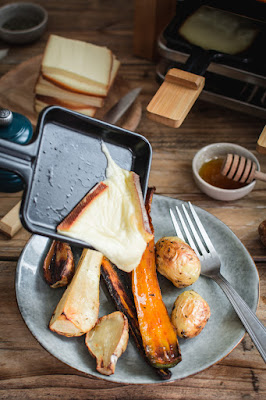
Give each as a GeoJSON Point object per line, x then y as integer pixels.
{"type": "Point", "coordinates": [214, 29]}
{"type": "Point", "coordinates": [111, 222]}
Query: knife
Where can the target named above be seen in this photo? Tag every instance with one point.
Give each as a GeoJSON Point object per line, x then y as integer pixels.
{"type": "Point", "coordinates": [116, 112]}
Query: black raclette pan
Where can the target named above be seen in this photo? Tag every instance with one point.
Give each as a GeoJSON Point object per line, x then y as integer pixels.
{"type": "Point", "coordinates": [65, 162]}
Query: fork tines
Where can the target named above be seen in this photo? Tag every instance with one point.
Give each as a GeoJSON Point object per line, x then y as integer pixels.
{"type": "Point", "coordinates": [194, 233]}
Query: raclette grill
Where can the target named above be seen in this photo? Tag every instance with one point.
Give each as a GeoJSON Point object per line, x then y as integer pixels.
{"type": "Point", "coordinates": [237, 81]}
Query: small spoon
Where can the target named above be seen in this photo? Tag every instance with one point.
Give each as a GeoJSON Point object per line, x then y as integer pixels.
{"type": "Point", "coordinates": [241, 169]}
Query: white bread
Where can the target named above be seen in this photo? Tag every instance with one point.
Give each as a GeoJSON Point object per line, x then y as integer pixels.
{"type": "Point", "coordinates": [40, 105]}
{"type": "Point", "coordinates": [83, 61]}
{"type": "Point", "coordinates": [45, 88]}
{"type": "Point", "coordinates": [112, 218]}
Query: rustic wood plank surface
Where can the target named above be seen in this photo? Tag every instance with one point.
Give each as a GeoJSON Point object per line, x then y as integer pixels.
{"type": "Point", "coordinates": [27, 371]}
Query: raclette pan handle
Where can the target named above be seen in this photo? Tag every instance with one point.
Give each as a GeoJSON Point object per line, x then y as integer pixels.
{"type": "Point", "coordinates": [18, 158]}
{"type": "Point", "coordinates": [199, 60]}
{"type": "Point", "coordinates": [180, 89]}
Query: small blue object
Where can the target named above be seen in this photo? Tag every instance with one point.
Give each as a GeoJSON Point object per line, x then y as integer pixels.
{"type": "Point", "coordinates": [18, 129]}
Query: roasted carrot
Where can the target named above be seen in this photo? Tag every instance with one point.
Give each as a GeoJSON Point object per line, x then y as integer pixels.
{"type": "Point", "coordinates": [158, 335]}
{"type": "Point", "coordinates": [118, 285]}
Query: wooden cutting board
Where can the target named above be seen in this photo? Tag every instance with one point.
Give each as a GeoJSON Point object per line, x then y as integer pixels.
{"type": "Point", "coordinates": [17, 94]}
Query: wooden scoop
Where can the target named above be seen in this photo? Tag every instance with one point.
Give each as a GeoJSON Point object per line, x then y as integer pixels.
{"type": "Point", "coordinates": [241, 169]}
{"type": "Point", "coordinates": [175, 97]}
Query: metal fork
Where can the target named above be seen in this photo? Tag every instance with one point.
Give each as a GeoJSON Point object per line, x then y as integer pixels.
{"type": "Point", "coordinates": [210, 267]}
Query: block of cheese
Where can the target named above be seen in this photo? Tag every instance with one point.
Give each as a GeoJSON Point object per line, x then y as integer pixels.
{"type": "Point", "coordinates": [214, 29]}
{"type": "Point", "coordinates": [39, 105]}
{"type": "Point", "coordinates": [47, 89]}
{"type": "Point", "coordinates": [75, 75]}
{"type": "Point", "coordinates": [66, 59]}
{"type": "Point", "coordinates": [112, 218]}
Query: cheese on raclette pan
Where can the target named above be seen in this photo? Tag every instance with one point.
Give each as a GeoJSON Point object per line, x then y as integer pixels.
{"type": "Point", "coordinates": [214, 29]}
{"type": "Point", "coordinates": [112, 218]}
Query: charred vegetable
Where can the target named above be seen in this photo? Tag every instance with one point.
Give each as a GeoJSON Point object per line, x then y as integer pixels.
{"type": "Point", "coordinates": [158, 335]}
{"type": "Point", "coordinates": [58, 266]}
{"type": "Point", "coordinates": [262, 232]}
{"type": "Point", "coordinates": [107, 341]}
{"type": "Point", "coordinates": [119, 287]}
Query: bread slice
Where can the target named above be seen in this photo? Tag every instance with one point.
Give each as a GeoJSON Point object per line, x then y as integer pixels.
{"type": "Point", "coordinates": [73, 84]}
{"type": "Point", "coordinates": [78, 60]}
{"type": "Point", "coordinates": [112, 218]}
{"type": "Point", "coordinates": [47, 89]}
{"type": "Point", "coordinates": [39, 105]}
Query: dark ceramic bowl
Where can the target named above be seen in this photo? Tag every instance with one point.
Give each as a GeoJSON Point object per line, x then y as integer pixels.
{"type": "Point", "coordinates": [22, 23]}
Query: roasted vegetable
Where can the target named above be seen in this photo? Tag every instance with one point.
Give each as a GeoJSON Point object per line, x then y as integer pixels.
{"type": "Point", "coordinates": [107, 341]}
{"type": "Point", "coordinates": [190, 314]}
{"type": "Point", "coordinates": [119, 288]}
{"type": "Point", "coordinates": [77, 311]}
{"type": "Point", "coordinates": [158, 335]}
{"type": "Point", "coordinates": [58, 266]}
{"type": "Point", "coordinates": [177, 261]}
{"type": "Point", "coordinates": [262, 232]}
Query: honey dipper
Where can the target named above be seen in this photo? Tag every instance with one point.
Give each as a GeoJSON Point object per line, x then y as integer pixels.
{"type": "Point", "coordinates": [241, 169]}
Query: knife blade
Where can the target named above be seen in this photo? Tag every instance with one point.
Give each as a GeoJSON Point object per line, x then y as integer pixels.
{"type": "Point", "coordinates": [116, 112]}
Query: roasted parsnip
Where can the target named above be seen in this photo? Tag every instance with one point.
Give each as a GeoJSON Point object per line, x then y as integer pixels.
{"type": "Point", "coordinates": [77, 311]}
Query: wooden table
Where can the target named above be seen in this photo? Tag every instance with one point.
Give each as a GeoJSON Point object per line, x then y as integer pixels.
{"type": "Point", "coordinates": [27, 371]}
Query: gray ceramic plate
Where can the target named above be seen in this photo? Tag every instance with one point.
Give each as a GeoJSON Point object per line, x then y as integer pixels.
{"type": "Point", "coordinates": [222, 333]}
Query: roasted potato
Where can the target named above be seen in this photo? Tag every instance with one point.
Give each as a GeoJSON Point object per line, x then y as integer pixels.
{"type": "Point", "coordinates": [58, 266]}
{"type": "Point", "coordinates": [177, 261]}
{"type": "Point", "coordinates": [190, 314]}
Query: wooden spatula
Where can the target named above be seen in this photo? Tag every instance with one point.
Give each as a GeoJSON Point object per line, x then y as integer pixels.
{"type": "Point", "coordinates": [175, 97]}
{"type": "Point", "coordinates": [10, 224]}
{"type": "Point", "coordinates": [241, 169]}
{"type": "Point", "coordinates": [261, 143]}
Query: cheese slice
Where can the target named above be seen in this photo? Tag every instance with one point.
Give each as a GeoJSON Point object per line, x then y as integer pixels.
{"type": "Point", "coordinates": [64, 103]}
{"type": "Point", "coordinates": [112, 218]}
{"type": "Point", "coordinates": [75, 59]}
{"type": "Point", "coordinates": [48, 89]}
{"type": "Point", "coordinates": [73, 84]}
{"type": "Point", "coordinates": [39, 105]}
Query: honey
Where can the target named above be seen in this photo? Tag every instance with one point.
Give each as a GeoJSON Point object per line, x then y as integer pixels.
{"type": "Point", "coordinates": [210, 171]}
